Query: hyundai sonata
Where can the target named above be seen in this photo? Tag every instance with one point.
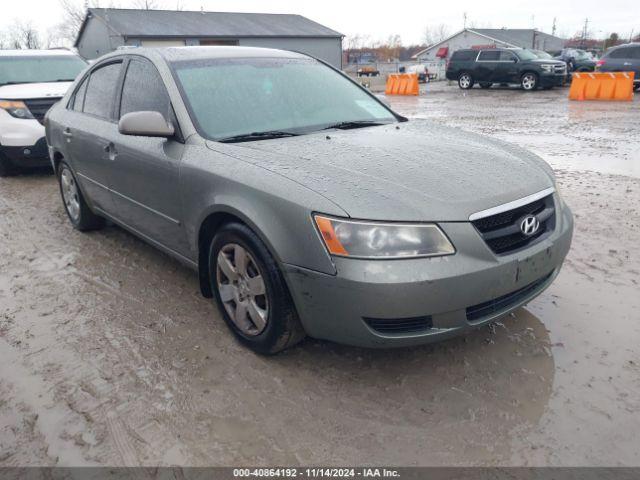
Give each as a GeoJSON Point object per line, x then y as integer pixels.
{"type": "Point", "coordinates": [307, 206]}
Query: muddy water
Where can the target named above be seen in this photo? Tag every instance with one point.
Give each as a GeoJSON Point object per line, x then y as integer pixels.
{"type": "Point", "coordinates": [108, 355]}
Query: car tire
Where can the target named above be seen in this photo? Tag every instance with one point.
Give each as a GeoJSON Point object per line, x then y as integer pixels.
{"type": "Point", "coordinates": [636, 87]}
{"type": "Point", "coordinates": [6, 167]}
{"type": "Point", "coordinates": [465, 81]}
{"type": "Point", "coordinates": [485, 85]}
{"type": "Point", "coordinates": [529, 81]}
{"type": "Point", "coordinates": [250, 291]}
{"type": "Point", "coordinates": [79, 213]}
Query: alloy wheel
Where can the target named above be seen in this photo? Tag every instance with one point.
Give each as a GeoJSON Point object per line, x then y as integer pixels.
{"type": "Point", "coordinates": [70, 194]}
{"type": "Point", "coordinates": [529, 81]}
{"type": "Point", "coordinates": [242, 289]}
{"type": "Point", "coordinates": [465, 81]}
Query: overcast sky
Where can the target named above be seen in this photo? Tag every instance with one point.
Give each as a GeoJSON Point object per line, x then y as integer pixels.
{"type": "Point", "coordinates": [407, 18]}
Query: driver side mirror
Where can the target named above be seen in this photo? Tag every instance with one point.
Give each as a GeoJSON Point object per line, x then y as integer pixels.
{"type": "Point", "coordinates": [145, 124]}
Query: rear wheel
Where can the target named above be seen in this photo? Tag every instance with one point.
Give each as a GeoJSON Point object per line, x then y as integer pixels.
{"type": "Point", "coordinates": [79, 213]}
{"type": "Point", "coordinates": [465, 81]}
{"type": "Point", "coordinates": [250, 291]}
{"type": "Point", "coordinates": [529, 81]}
{"type": "Point", "coordinates": [485, 85]}
{"type": "Point", "coordinates": [6, 167]}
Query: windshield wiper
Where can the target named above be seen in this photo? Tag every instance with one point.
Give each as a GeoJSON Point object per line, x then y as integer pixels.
{"type": "Point", "coordinates": [354, 124]}
{"type": "Point", "coordinates": [62, 80]}
{"type": "Point", "coordinates": [247, 137]}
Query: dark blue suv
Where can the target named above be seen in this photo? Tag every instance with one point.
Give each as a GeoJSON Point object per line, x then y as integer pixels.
{"type": "Point", "coordinates": [505, 65]}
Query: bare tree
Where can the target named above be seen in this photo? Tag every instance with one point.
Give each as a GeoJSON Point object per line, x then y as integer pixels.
{"type": "Point", "coordinates": [147, 4]}
{"type": "Point", "coordinates": [23, 35]}
{"type": "Point", "coordinates": [435, 33]}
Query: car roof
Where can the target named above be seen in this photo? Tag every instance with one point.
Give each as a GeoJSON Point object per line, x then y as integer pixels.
{"type": "Point", "coordinates": [37, 53]}
{"type": "Point", "coordinates": [176, 54]}
{"type": "Point", "coordinates": [626, 45]}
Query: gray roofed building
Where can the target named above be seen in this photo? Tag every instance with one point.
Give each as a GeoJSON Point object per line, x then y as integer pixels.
{"type": "Point", "coordinates": [106, 29]}
{"type": "Point", "coordinates": [490, 37]}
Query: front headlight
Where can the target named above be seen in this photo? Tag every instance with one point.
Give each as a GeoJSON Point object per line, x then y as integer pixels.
{"type": "Point", "coordinates": [547, 68]}
{"type": "Point", "coordinates": [16, 108]}
{"type": "Point", "coordinates": [359, 239]}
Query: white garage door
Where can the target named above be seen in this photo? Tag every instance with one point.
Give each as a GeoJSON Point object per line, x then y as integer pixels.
{"type": "Point", "coordinates": [163, 43]}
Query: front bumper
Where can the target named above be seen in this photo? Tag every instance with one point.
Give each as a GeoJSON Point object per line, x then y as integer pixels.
{"type": "Point", "coordinates": [441, 289]}
{"type": "Point", "coordinates": [553, 80]}
{"type": "Point", "coordinates": [29, 156]}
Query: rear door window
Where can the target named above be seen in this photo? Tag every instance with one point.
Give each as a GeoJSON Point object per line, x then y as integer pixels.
{"type": "Point", "coordinates": [464, 55]}
{"type": "Point", "coordinates": [489, 56]}
{"type": "Point", "coordinates": [142, 76]}
{"type": "Point", "coordinates": [101, 90]}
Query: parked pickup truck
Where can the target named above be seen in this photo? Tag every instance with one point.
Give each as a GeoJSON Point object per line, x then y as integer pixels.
{"type": "Point", "coordinates": [31, 81]}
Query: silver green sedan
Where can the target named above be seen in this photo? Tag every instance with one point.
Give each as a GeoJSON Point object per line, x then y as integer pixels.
{"type": "Point", "coordinates": [306, 205]}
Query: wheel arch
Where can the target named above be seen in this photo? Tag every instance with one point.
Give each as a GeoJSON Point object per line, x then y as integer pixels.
{"type": "Point", "coordinates": [214, 219]}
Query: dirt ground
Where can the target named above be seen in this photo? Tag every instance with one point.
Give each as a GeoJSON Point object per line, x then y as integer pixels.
{"type": "Point", "coordinates": [108, 354]}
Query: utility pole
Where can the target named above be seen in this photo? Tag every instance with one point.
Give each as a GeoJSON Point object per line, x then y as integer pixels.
{"type": "Point", "coordinates": [553, 28]}
{"type": "Point", "coordinates": [464, 23]}
{"type": "Point", "coordinates": [585, 31]}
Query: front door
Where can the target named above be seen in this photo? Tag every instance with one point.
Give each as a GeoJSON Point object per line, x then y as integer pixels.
{"type": "Point", "coordinates": [145, 176]}
{"type": "Point", "coordinates": [507, 68]}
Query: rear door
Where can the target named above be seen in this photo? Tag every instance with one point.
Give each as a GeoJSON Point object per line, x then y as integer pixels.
{"type": "Point", "coordinates": [486, 65]}
{"type": "Point", "coordinates": [633, 61]}
{"type": "Point", "coordinates": [145, 176]}
{"type": "Point", "coordinates": [90, 124]}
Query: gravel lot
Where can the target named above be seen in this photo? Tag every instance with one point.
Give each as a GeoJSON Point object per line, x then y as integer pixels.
{"type": "Point", "coordinates": [108, 354]}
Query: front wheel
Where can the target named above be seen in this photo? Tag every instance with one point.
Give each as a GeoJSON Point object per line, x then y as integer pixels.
{"type": "Point", "coordinates": [79, 213]}
{"type": "Point", "coordinates": [250, 291]}
{"type": "Point", "coordinates": [465, 81]}
{"type": "Point", "coordinates": [529, 81]}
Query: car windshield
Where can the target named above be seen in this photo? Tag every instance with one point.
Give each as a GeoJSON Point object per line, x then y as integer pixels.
{"type": "Point", "coordinates": [525, 54]}
{"type": "Point", "coordinates": [37, 69]}
{"type": "Point", "coordinates": [232, 97]}
{"type": "Point", "coordinates": [541, 54]}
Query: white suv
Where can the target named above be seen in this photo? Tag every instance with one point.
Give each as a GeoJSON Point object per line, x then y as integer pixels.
{"type": "Point", "coordinates": [31, 81]}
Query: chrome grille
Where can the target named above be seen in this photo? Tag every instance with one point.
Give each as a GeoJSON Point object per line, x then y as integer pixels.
{"type": "Point", "coordinates": [502, 231]}
{"type": "Point", "coordinates": [40, 106]}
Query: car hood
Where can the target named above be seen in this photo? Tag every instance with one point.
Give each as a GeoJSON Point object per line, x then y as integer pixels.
{"type": "Point", "coordinates": [413, 171]}
{"type": "Point", "coordinates": [539, 61]}
{"type": "Point", "coordinates": [34, 90]}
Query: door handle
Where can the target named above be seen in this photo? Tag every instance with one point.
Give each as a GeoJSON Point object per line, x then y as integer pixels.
{"type": "Point", "coordinates": [110, 150]}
